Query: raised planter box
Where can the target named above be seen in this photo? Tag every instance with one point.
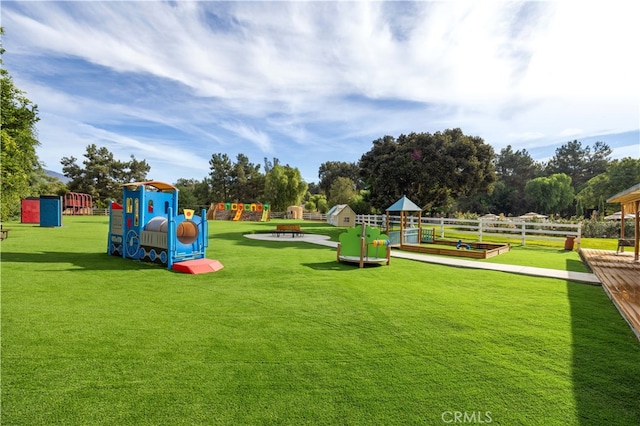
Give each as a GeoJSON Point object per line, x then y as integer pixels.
{"type": "Point", "coordinates": [481, 250]}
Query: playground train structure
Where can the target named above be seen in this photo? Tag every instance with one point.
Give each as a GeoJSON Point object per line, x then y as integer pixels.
{"type": "Point", "coordinates": [146, 227]}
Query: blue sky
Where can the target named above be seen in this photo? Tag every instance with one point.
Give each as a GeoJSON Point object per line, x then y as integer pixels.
{"type": "Point", "coordinates": [310, 82]}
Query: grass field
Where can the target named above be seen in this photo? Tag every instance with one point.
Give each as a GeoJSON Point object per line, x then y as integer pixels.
{"type": "Point", "coordinates": [286, 335]}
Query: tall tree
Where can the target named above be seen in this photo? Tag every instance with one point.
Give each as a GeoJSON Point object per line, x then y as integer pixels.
{"type": "Point", "coordinates": [102, 175]}
{"type": "Point", "coordinates": [284, 187]}
{"type": "Point", "coordinates": [248, 182]}
{"type": "Point", "coordinates": [620, 175]}
{"type": "Point", "coordinates": [578, 162]}
{"type": "Point", "coordinates": [133, 170]}
{"type": "Point", "coordinates": [194, 194]}
{"type": "Point", "coordinates": [431, 169]}
{"type": "Point", "coordinates": [331, 170]}
{"type": "Point", "coordinates": [513, 170]}
{"type": "Point", "coordinates": [550, 195]}
{"type": "Point", "coordinates": [342, 191]}
{"type": "Point", "coordinates": [221, 177]}
{"type": "Point", "coordinates": [18, 138]}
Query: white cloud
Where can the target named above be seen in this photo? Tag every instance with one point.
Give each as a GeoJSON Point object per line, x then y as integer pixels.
{"type": "Point", "coordinates": [328, 77]}
{"type": "Point", "coordinates": [258, 138]}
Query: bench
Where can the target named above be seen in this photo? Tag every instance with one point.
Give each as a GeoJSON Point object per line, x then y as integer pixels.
{"type": "Point", "coordinates": [294, 230]}
{"type": "Point", "coordinates": [622, 243]}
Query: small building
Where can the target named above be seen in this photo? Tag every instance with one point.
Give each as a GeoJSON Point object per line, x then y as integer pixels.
{"type": "Point", "coordinates": [30, 210]}
{"type": "Point", "coordinates": [341, 215]}
{"type": "Point", "coordinates": [294, 212]}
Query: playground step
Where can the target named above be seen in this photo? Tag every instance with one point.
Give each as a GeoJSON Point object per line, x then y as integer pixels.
{"type": "Point", "coordinates": [198, 266]}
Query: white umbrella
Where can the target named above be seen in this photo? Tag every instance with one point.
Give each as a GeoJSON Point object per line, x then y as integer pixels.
{"type": "Point", "coordinates": [618, 216]}
{"type": "Point", "coordinates": [533, 215]}
{"type": "Point", "coordinates": [490, 216]}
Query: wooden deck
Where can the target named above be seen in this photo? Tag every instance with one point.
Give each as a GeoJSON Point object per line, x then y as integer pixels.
{"type": "Point", "coordinates": [620, 277]}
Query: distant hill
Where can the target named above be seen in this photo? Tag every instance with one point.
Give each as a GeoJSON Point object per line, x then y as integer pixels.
{"type": "Point", "coordinates": [62, 178]}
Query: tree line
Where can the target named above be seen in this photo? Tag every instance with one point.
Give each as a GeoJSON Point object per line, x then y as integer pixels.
{"type": "Point", "coordinates": [448, 172]}
{"type": "Point", "coordinates": [443, 172]}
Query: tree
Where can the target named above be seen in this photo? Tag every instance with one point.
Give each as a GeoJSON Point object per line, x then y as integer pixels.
{"type": "Point", "coordinates": [580, 164]}
{"type": "Point", "coordinates": [331, 170]}
{"type": "Point", "coordinates": [513, 171]}
{"type": "Point", "coordinates": [194, 194]}
{"type": "Point", "coordinates": [102, 175]}
{"type": "Point", "coordinates": [550, 194]}
{"type": "Point", "coordinates": [236, 182]}
{"type": "Point", "coordinates": [247, 181]}
{"type": "Point", "coordinates": [318, 202]}
{"type": "Point", "coordinates": [284, 187]}
{"type": "Point", "coordinates": [221, 178]}
{"type": "Point", "coordinates": [620, 175]}
{"type": "Point", "coordinates": [342, 191]}
{"type": "Point", "coordinates": [18, 140]}
{"type": "Point", "coordinates": [431, 169]}
{"type": "Point", "coordinates": [132, 171]}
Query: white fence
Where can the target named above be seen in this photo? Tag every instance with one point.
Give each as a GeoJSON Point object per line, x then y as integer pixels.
{"type": "Point", "coordinates": [480, 228]}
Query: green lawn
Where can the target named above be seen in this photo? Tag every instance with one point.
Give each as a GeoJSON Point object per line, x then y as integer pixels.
{"type": "Point", "coordinates": [286, 335]}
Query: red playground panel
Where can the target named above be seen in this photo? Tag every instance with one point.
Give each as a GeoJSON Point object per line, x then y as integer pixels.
{"type": "Point", "coordinates": [197, 266]}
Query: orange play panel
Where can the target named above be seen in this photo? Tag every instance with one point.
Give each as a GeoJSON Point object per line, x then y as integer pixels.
{"type": "Point", "coordinates": [198, 266]}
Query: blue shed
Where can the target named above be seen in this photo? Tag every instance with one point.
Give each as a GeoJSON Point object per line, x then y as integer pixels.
{"type": "Point", "coordinates": [50, 210]}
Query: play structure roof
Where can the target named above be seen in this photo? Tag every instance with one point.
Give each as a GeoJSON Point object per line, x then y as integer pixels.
{"type": "Point", "coordinates": [161, 186]}
{"type": "Point", "coordinates": [627, 198]}
{"type": "Point", "coordinates": [404, 205]}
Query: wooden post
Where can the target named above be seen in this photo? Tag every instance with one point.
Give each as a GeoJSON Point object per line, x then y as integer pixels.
{"type": "Point", "coordinates": [362, 244]}
{"type": "Point", "coordinates": [636, 256]}
{"type": "Point", "coordinates": [622, 213]}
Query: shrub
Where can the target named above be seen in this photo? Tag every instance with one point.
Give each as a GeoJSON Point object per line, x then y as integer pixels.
{"type": "Point", "coordinates": [594, 228]}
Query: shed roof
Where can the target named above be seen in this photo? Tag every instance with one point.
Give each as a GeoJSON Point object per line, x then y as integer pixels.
{"type": "Point", "coordinates": [404, 205]}
{"type": "Point", "coordinates": [335, 210]}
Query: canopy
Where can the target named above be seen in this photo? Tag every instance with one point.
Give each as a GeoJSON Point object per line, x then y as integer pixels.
{"type": "Point", "coordinates": [404, 205]}
{"type": "Point", "coordinates": [490, 216]}
{"type": "Point", "coordinates": [160, 186]}
{"type": "Point", "coordinates": [532, 215]}
{"type": "Point", "coordinates": [618, 216]}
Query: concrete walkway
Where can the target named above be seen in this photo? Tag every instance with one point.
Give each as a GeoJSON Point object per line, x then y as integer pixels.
{"type": "Point", "coordinates": [582, 277]}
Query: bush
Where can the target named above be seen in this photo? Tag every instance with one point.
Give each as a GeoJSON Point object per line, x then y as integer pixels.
{"type": "Point", "coordinates": [593, 228]}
